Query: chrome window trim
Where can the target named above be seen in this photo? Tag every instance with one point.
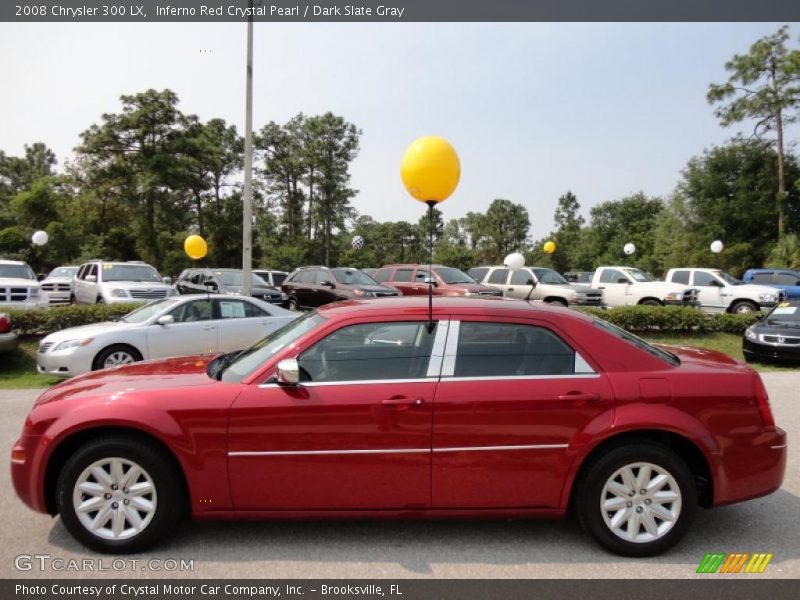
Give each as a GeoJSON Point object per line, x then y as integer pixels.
{"type": "Point", "coordinates": [438, 349]}
{"type": "Point", "coordinates": [366, 382]}
{"type": "Point", "coordinates": [520, 377]}
{"type": "Point", "coordinates": [449, 362]}
{"type": "Point", "coordinates": [398, 450]}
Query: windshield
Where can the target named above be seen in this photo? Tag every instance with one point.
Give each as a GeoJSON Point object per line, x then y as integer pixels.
{"type": "Point", "coordinates": [785, 313]}
{"type": "Point", "coordinates": [639, 275]}
{"type": "Point", "coordinates": [549, 276]}
{"type": "Point", "coordinates": [148, 311]}
{"type": "Point", "coordinates": [352, 277]}
{"type": "Point", "coordinates": [130, 273]}
{"type": "Point", "coordinates": [451, 275]}
{"type": "Point", "coordinates": [63, 272]}
{"type": "Point", "coordinates": [255, 356]}
{"type": "Point", "coordinates": [727, 277]}
{"type": "Point", "coordinates": [16, 272]}
{"type": "Point", "coordinates": [636, 341]}
{"type": "Point", "coordinates": [235, 278]}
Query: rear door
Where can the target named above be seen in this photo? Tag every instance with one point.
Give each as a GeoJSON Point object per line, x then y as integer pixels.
{"type": "Point", "coordinates": [512, 398]}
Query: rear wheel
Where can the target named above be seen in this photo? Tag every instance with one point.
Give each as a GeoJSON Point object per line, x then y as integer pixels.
{"type": "Point", "coordinates": [116, 355]}
{"type": "Point", "coordinates": [743, 307]}
{"type": "Point", "coordinates": [637, 500]}
{"type": "Point", "coordinates": [293, 304]}
{"type": "Point", "coordinates": [120, 495]}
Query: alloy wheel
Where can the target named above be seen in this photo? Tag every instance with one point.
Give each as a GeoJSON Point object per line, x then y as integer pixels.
{"type": "Point", "coordinates": [120, 357]}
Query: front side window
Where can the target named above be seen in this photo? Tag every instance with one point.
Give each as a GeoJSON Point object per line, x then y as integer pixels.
{"type": "Point", "coordinates": [369, 351]}
{"type": "Point", "coordinates": [148, 311]}
{"type": "Point", "coordinates": [192, 312]}
{"type": "Point", "coordinates": [451, 276]}
{"type": "Point", "coordinates": [705, 279]}
{"type": "Point", "coordinates": [352, 277]}
{"type": "Point", "coordinates": [639, 275]}
{"type": "Point", "coordinates": [512, 349]}
{"type": "Point", "coordinates": [612, 276]}
{"type": "Point", "coordinates": [498, 276]}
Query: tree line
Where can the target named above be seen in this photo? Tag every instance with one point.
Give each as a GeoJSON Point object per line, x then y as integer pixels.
{"type": "Point", "coordinates": [144, 177]}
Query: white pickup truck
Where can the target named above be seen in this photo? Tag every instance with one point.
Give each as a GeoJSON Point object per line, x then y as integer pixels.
{"type": "Point", "coordinates": [624, 286]}
{"type": "Point", "coordinates": [721, 292]}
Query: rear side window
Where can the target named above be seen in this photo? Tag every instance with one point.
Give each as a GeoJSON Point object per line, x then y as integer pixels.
{"type": "Point", "coordinates": [766, 278]}
{"type": "Point", "coordinates": [680, 277]}
{"type": "Point", "coordinates": [383, 275]}
{"type": "Point", "coordinates": [498, 276]}
{"type": "Point", "coordinates": [787, 279]}
{"type": "Point", "coordinates": [513, 349]}
{"type": "Point", "coordinates": [369, 351]}
{"type": "Point", "coordinates": [636, 341]}
{"type": "Point", "coordinates": [403, 275]}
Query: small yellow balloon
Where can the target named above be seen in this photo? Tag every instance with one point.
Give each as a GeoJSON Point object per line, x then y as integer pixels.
{"type": "Point", "coordinates": [195, 247]}
{"type": "Point", "coordinates": [549, 247]}
{"type": "Point", "coordinates": [430, 169]}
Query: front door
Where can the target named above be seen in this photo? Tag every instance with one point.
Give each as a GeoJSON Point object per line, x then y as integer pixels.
{"type": "Point", "coordinates": [193, 331]}
{"type": "Point", "coordinates": [713, 296]}
{"type": "Point", "coordinates": [354, 434]}
{"type": "Point", "coordinates": [616, 287]}
{"type": "Point", "coordinates": [511, 399]}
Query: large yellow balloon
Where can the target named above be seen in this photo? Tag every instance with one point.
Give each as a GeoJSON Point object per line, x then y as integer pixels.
{"type": "Point", "coordinates": [430, 169]}
{"type": "Point", "coordinates": [195, 247]}
{"type": "Point", "coordinates": [549, 247]}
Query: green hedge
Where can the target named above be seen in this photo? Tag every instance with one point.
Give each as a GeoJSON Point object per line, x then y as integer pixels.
{"type": "Point", "coordinates": [638, 319]}
{"type": "Point", "coordinates": [44, 321]}
{"type": "Point", "coordinates": [673, 319]}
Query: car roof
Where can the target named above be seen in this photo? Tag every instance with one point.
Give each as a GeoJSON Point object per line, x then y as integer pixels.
{"type": "Point", "coordinates": [11, 262]}
{"type": "Point", "coordinates": [418, 305]}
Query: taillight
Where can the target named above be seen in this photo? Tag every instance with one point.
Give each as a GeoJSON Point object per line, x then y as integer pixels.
{"type": "Point", "coordinates": [762, 400]}
{"type": "Point", "coordinates": [5, 324]}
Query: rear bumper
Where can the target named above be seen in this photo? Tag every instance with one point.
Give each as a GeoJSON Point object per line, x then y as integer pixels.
{"type": "Point", "coordinates": [8, 342]}
{"type": "Point", "coordinates": [751, 470]}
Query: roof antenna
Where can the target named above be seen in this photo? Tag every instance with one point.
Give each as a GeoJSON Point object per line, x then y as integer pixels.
{"type": "Point", "coordinates": [431, 325]}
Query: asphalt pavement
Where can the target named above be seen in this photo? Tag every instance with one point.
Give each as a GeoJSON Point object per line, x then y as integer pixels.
{"type": "Point", "coordinates": [33, 545]}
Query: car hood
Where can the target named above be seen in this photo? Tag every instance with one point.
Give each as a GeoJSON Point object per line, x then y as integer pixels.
{"type": "Point", "coordinates": [754, 288]}
{"type": "Point", "coordinates": [578, 287]}
{"type": "Point", "coordinates": [255, 290]}
{"type": "Point", "coordinates": [57, 280]}
{"type": "Point", "coordinates": [16, 282]}
{"type": "Point", "coordinates": [183, 371]}
{"type": "Point", "coordinates": [84, 331]}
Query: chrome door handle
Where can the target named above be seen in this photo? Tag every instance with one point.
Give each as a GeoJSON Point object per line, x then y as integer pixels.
{"type": "Point", "coordinates": [601, 287]}
{"type": "Point", "coordinates": [208, 328]}
{"type": "Point", "coordinates": [589, 397]}
{"type": "Point", "coordinates": [402, 403]}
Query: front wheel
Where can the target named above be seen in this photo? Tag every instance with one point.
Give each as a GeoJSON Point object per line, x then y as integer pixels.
{"type": "Point", "coordinates": [637, 500]}
{"type": "Point", "coordinates": [744, 307]}
{"type": "Point", "coordinates": [119, 495]}
{"type": "Point", "coordinates": [650, 302]}
{"type": "Point", "coordinates": [116, 355]}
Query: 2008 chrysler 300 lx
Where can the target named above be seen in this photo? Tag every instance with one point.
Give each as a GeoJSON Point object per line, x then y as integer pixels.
{"type": "Point", "coordinates": [364, 408]}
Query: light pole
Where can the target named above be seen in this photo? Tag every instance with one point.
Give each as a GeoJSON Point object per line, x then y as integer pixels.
{"type": "Point", "coordinates": [247, 218]}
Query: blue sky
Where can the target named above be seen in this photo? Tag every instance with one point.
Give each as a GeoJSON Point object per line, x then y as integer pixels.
{"type": "Point", "coordinates": [533, 109]}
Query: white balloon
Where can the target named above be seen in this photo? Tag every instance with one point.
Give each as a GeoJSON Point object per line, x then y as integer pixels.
{"type": "Point", "coordinates": [514, 261]}
{"type": "Point", "coordinates": [39, 238]}
{"type": "Point", "coordinates": [629, 248]}
{"type": "Point", "coordinates": [358, 242]}
{"type": "Point", "coordinates": [716, 246]}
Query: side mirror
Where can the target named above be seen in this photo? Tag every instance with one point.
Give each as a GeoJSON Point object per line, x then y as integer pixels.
{"type": "Point", "coordinates": [91, 278]}
{"type": "Point", "coordinates": [622, 280]}
{"type": "Point", "coordinates": [530, 282]}
{"type": "Point", "coordinates": [211, 285]}
{"type": "Point", "coordinates": [327, 283]}
{"type": "Point", "coordinates": [431, 281]}
{"type": "Point", "coordinates": [167, 280]}
{"type": "Point", "coordinates": [715, 283]}
{"type": "Point", "coordinates": [288, 372]}
{"type": "Point", "coordinates": [41, 277]}
{"type": "Point", "coordinates": [165, 320]}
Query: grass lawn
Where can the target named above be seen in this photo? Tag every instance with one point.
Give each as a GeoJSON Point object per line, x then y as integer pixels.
{"type": "Point", "coordinates": [18, 369]}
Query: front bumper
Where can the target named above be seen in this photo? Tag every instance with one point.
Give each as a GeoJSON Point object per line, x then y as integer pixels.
{"type": "Point", "coordinates": [57, 298]}
{"type": "Point", "coordinates": [65, 363]}
{"type": "Point", "coordinates": [756, 351]}
{"type": "Point", "coordinates": [8, 342]}
{"type": "Point", "coordinates": [752, 468]}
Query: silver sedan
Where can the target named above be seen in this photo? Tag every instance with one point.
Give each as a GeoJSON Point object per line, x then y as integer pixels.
{"type": "Point", "coordinates": [177, 326]}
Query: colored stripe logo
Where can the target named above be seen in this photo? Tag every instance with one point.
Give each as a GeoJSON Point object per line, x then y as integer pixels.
{"type": "Point", "coordinates": [736, 562]}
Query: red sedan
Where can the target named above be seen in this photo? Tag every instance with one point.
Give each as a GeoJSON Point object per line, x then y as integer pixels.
{"type": "Point", "coordinates": [361, 409]}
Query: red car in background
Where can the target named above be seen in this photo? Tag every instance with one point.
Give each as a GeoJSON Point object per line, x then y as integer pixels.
{"type": "Point", "coordinates": [413, 280]}
{"type": "Point", "coordinates": [361, 408]}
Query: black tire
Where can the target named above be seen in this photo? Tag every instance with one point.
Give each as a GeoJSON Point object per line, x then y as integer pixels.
{"type": "Point", "coordinates": [557, 302]}
{"type": "Point", "coordinates": [170, 498]}
{"type": "Point", "coordinates": [651, 302]}
{"type": "Point", "coordinates": [744, 307]}
{"type": "Point", "coordinates": [293, 304]}
{"type": "Point", "coordinates": [101, 357]}
{"type": "Point", "coordinates": [589, 494]}
{"type": "Point", "coordinates": [100, 300]}
{"type": "Point", "coordinates": [72, 299]}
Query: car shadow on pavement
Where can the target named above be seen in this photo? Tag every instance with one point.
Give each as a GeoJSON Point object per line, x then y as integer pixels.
{"type": "Point", "coordinates": [766, 524]}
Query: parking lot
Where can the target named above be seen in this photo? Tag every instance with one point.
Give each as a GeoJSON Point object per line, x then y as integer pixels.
{"type": "Point", "coordinates": [447, 549]}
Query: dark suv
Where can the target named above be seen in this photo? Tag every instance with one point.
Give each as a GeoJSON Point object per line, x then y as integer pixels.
{"type": "Point", "coordinates": [412, 280]}
{"type": "Point", "coordinates": [226, 281]}
{"type": "Point", "coordinates": [309, 287]}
